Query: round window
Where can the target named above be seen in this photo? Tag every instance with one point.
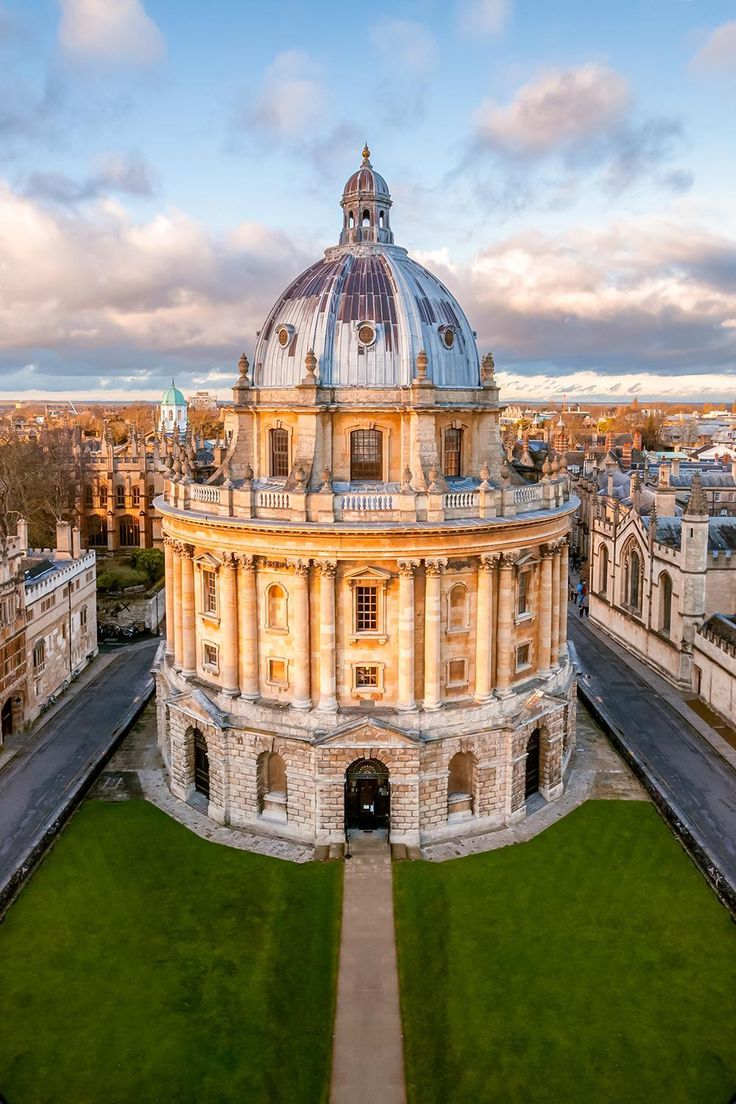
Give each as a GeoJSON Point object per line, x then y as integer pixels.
{"type": "Point", "coordinates": [448, 337]}
{"type": "Point", "coordinates": [366, 334]}
{"type": "Point", "coordinates": [283, 338]}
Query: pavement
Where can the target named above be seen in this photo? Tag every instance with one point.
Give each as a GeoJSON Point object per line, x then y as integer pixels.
{"type": "Point", "coordinates": [692, 779]}
{"type": "Point", "coordinates": [368, 1045]}
{"type": "Point", "coordinates": [46, 777]}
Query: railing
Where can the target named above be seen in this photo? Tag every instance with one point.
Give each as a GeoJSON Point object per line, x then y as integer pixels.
{"type": "Point", "coordinates": [459, 500]}
{"type": "Point", "coordinates": [534, 493]}
{"type": "Point", "coordinates": [273, 500]}
{"type": "Point", "coordinates": [203, 493]}
{"type": "Point", "coordinates": [367, 502]}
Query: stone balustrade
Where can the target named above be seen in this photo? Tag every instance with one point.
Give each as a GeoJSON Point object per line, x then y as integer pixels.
{"type": "Point", "coordinates": [378, 507]}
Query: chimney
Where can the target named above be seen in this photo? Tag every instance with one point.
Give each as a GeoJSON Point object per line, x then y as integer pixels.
{"type": "Point", "coordinates": [76, 543]}
{"type": "Point", "coordinates": [21, 528]}
{"type": "Point", "coordinates": [63, 540]}
{"type": "Point", "coordinates": [675, 465]}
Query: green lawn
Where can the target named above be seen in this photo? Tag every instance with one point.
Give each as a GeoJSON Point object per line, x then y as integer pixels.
{"type": "Point", "coordinates": [592, 964]}
{"type": "Point", "coordinates": [144, 964]}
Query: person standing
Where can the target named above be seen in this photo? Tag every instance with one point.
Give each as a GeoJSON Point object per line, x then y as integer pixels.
{"type": "Point", "coordinates": [584, 612]}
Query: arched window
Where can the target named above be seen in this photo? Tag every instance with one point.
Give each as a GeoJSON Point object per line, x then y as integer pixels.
{"type": "Point", "coordinates": [276, 608]}
{"type": "Point", "coordinates": [603, 570]}
{"type": "Point", "coordinates": [665, 603]}
{"type": "Point", "coordinates": [96, 532]}
{"type": "Point", "coordinates": [351, 220]}
{"type": "Point", "coordinates": [366, 454]}
{"type": "Point", "coordinates": [452, 460]}
{"type": "Point", "coordinates": [633, 580]}
{"type": "Point", "coordinates": [457, 608]}
{"type": "Point", "coordinates": [460, 786]}
{"type": "Point", "coordinates": [272, 791]}
{"type": "Point", "coordinates": [380, 220]}
{"type": "Point", "coordinates": [129, 529]}
{"type": "Point", "coordinates": [366, 220]}
{"type": "Point", "coordinates": [279, 442]}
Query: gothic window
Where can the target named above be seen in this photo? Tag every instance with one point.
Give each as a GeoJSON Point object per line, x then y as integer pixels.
{"type": "Point", "coordinates": [83, 619]}
{"type": "Point", "coordinates": [633, 580]}
{"type": "Point", "coordinates": [276, 608]}
{"type": "Point", "coordinates": [39, 657]}
{"type": "Point", "coordinates": [603, 570]}
{"type": "Point", "coordinates": [665, 603]}
{"type": "Point", "coordinates": [136, 496]}
{"type": "Point", "coordinates": [453, 452]}
{"type": "Point", "coordinates": [129, 529]}
{"type": "Point", "coordinates": [88, 494]}
{"type": "Point", "coordinates": [103, 494]}
{"type": "Point", "coordinates": [457, 608]}
{"type": "Point", "coordinates": [120, 497]}
{"type": "Point", "coordinates": [96, 532]}
{"type": "Point", "coordinates": [279, 439]}
{"type": "Point", "coordinates": [209, 592]}
{"type": "Point", "coordinates": [366, 459]}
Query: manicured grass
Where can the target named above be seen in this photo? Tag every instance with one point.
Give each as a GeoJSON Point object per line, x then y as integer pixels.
{"type": "Point", "coordinates": [144, 964]}
{"type": "Point", "coordinates": [592, 964]}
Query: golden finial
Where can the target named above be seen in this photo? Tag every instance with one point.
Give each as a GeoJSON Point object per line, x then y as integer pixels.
{"type": "Point", "coordinates": [366, 153]}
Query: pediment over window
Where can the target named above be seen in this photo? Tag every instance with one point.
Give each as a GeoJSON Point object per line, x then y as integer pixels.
{"type": "Point", "coordinates": [206, 559]}
{"type": "Point", "coordinates": [369, 574]}
{"type": "Point", "coordinates": [526, 558]}
{"type": "Point", "coordinates": [198, 706]}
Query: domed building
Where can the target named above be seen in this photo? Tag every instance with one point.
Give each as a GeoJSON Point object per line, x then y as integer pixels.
{"type": "Point", "coordinates": [172, 419]}
{"type": "Point", "coordinates": [366, 605]}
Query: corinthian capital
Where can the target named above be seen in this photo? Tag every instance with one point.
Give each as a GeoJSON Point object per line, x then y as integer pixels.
{"type": "Point", "coordinates": [326, 568]}
{"type": "Point", "coordinates": [407, 567]}
{"type": "Point", "coordinates": [300, 567]}
{"type": "Point", "coordinates": [507, 560]}
{"type": "Point", "coordinates": [435, 567]}
{"type": "Point", "coordinates": [488, 561]}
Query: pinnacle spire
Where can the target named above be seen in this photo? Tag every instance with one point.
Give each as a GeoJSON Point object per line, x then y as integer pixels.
{"type": "Point", "coordinates": [697, 504]}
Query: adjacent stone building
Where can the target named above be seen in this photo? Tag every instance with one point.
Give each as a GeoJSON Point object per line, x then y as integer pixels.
{"type": "Point", "coordinates": [366, 604]}
{"type": "Point", "coordinates": [12, 637]}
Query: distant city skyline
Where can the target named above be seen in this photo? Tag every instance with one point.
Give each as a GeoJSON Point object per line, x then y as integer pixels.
{"type": "Point", "coordinates": [168, 168]}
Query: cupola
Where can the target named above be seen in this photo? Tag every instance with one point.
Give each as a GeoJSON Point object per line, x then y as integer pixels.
{"type": "Point", "coordinates": [365, 206]}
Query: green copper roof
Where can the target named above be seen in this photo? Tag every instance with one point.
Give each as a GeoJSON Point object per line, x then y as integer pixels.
{"type": "Point", "coordinates": [173, 397]}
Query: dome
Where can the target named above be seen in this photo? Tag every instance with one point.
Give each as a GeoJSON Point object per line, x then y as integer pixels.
{"type": "Point", "coordinates": [366, 310]}
{"type": "Point", "coordinates": [173, 397]}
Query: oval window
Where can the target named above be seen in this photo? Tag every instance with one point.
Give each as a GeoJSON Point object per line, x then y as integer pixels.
{"type": "Point", "coordinates": [448, 337]}
{"type": "Point", "coordinates": [366, 334]}
{"type": "Point", "coordinates": [283, 338]}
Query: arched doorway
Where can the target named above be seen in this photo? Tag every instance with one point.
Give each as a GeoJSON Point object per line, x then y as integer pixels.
{"type": "Point", "coordinates": [367, 795]}
{"type": "Point", "coordinates": [201, 765]}
{"type": "Point", "coordinates": [531, 783]}
{"type": "Point", "coordinates": [6, 719]}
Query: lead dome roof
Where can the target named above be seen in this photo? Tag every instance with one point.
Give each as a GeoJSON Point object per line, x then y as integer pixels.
{"type": "Point", "coordinates": [366, 310]}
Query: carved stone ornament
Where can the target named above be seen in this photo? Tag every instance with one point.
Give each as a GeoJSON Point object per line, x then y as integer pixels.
{"type": "Point", "coordinates": [507, 560]}
{"type": "Point", "coordinates": [243, 367]}
{"type": "Point", "coordinates": [326, 481]}
{"type": "Point", "coordinates": [433, 568]}
{"type": "Point", "coordinates": [488, 368]}
{"type": "Point", "coordinates": [485, 475]}
{"type": "Point", "coordinates": [488, 561]}
{"type": "Point", "coordinates": [406, 487]}
{"type": "Point", "coordinates": [433, 477]}
{"type": "Point", "coordinates": [407, 567]}
{"type": "Point", "coordinates": [326, 568]}
{"type": "Point", "coordinates": [310, 367]}
{"type": "Point", "coordinates": [300, 476]}
{"type": "Point", "coordinates": [300, 567]}
{"type": "Point", "coordinates": [247, 561]}
{"type": "Point", "coordinates": [422, 366]}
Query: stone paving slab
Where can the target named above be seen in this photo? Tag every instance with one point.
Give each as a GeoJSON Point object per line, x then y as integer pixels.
{"type": "Point", "coordinates": [368, 1050]}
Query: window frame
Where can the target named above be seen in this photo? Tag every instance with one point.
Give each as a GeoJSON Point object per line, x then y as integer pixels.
{"type": "Point", "coordinates": [464, 627]}
{"type": "Point", "coordinates": [283, 629]}
{"type": "Point", "coordinates": [527, 664]}
{"type": "Point", "coordinates": [363, 470]}
{"type": "Point", "coordinates": [454, 683]}
{"type": "Point", "coordinates": [210, 595]}
{"type": "Point", "coordinates": [278, 458]}
{"type": "Point", "coordinates": [212, 665]}
{"type": "Point", "coordinates": [363, 664]}
{"type": "Point", "coordinates": [456, 453]}
{"type": "Point", "coordinates": [270, 679]}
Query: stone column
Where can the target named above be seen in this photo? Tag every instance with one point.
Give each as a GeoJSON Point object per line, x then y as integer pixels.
{"type": "Point", "coordinates": [483, 627]}
{"type": "Point", "coordinates": [301, 698]}
{"type": "Point", "coordinates": [189, 629]}
{"type": "Point", "coordinates": [564, 586]}
{"type": "Point", "coordinates": [504, 657]}
{"type": "Point", "coordinates": [178, 621]}
{"type": "Point", "coordinates": [229, 664]}
{"type": "Point", "coordinates": [248, 618]}
{"type": "Point", "coordinates": [555, 645]}
{"type": "Point", "coordinates": [407, 635]}
{"type": "Point", "coordinates": [544, 655]}
{"type": "Point", "coordinates": [169, 557]}
{"type": "Point", "coordinates": [327, 681]}
{"type": "Point", "coordinates": [432, 638]}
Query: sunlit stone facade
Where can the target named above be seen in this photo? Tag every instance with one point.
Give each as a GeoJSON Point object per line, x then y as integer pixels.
{"type": "Point", "coordinates": [366, 608]}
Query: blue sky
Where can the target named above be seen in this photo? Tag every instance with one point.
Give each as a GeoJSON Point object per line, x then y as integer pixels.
{"type": "Point", "coordinates": [567, 169]}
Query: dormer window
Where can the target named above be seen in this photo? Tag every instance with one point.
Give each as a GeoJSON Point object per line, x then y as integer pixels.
{"type": "Point", "coordinates": [447, 333]}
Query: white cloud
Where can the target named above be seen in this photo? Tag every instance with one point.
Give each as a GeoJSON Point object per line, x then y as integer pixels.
{"type": "Point", "coordinates": [408, 44]}
{"type": "Point", "coordinates": [719, 52]}
{"type": "Point", "coordinates": [291, 96]}
{"type": "Point", "coordinates": [110, 30]}
{"type": "Point", "coordinates": [485, 17]}
{"type": "Point", "coordinates": [558, 109]}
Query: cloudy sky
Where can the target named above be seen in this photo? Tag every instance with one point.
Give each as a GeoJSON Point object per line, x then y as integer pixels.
{"type": "Point", "coordinates": [166, 167]}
